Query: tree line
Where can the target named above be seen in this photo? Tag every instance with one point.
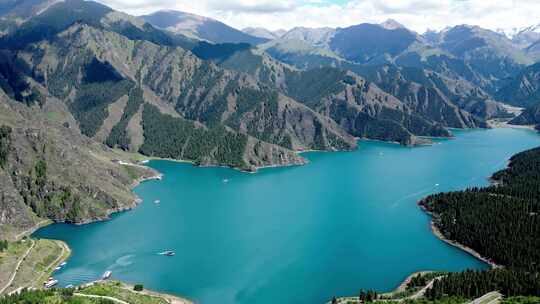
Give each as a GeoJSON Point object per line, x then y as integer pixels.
{"type": "Point", "coordinates": [501, 222]}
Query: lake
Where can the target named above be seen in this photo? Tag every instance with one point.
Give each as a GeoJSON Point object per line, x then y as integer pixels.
{"type": "Point", "coordinates": [346, 221]}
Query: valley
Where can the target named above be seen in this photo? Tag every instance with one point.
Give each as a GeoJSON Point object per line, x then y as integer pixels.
{"type": "Point", "coordinates": [102, 112]}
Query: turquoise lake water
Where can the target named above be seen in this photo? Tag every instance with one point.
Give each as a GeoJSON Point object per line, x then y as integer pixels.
{"type": "Point", "coordinates": [301, 235]}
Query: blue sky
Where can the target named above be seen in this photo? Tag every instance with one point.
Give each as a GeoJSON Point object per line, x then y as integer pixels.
{"type": "Point", "coordinates": [417, 15]}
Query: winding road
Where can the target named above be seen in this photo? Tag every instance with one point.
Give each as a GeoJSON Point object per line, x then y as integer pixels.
{"type": "Point", "coordinates": [101, 297]}
{"type": "Point", "coordinates": [17, 267]}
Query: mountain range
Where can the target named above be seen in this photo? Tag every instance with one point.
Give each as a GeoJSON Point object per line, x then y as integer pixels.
{"type": "Point", "coordinates": [83, 85]}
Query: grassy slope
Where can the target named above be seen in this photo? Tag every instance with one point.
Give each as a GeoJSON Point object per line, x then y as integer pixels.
{"type": "Point", "coordinates": [36, 267]}
{"type": "Point", "coordinates": [74, 163]}
{"type": "Point", "coordinates": [99, 292]}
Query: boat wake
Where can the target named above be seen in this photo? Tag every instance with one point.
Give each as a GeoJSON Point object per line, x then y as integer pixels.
{"type": "Point", "coordinates": [420, 193]}
{"type": "Point", "coordinates": [124, 261]}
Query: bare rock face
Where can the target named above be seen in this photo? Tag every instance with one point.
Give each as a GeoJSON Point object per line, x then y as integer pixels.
{"type": "Point", "coordinates": [523, 90]}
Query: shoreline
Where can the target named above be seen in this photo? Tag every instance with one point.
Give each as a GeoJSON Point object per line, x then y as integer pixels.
{"type": "Point", "coordinates": [158, 176]}
{"type": "Point", "coordinates": [401, 287]}
{"type": "Point", "coordinates": [172, 299]}
{"type": "Point", "coordinates": [438, 233]}
{"type": "Point", "coordinates": [256, 168]}
{"type": "Point", "coordinates": [505, 124]}
{"type": "Point", "coordinates": [136, 202]}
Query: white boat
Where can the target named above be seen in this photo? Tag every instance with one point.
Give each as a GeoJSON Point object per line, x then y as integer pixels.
{"type": "Point", "coordinates": [70, 286]}
{"type": "Point", "coordinates": [63, 264]}
{"type": "Point", "coordinates": [50, 283]}
{"type": "Point", "coordinates": [157, 201]}
{"type": "Point", "coordinates": [167, 253]}
{"type": "Point", "coordinates": [225, 180]}
{"type": "Point", "coordinates": [106, 275]}
{"type": "Point", "coordinates": [57, 268]}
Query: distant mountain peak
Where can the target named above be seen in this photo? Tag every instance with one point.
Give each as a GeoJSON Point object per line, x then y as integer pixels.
{"type": "Point", "coordinates": [262, 32]}
{"type": "Point", "coordinates": [531, 29]}
{"type": "Point", "coordinates": [391, 24]}
{"type": "Point", "coordinates": [199, 27]}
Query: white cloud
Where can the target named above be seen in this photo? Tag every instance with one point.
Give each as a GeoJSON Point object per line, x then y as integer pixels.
{"type": "Point", "coordinates": [418, 15]}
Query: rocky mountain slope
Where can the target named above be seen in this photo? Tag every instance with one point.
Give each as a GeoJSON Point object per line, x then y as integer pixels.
{"type": "Point", "coordinates": [530, 116]}
{"type": "Point", "coordinates": [357, 104]}
{"type": "Point", "coordinates": [438, 99]}
{"type": "Point", "coordinates": [523, 90]}
{"type": "Point", "coordinates": [263, 33]}
{"type": "Point", "coordinates": [49, 170]}
{"type": "Point", "coordinates": [159, 82]}
{"type": "Point", "coordinates": [527, 36]}
{"type": "Point", "coordinates": [481, 57]}
{"type": "Point", "coordinates": [206, 98]}
{"type": "Point", "coordinates": [15, 12]}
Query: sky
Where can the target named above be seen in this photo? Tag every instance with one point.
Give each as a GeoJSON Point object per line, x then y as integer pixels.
{"type": "Point", "coordinates": [418, 15]}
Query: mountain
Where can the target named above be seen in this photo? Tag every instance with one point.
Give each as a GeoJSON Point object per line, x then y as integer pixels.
{"type": "Point", "coordinates": [61, 15]}
{"type": "Point", "coordinates": [185, 87]}
{"type": "Point", "coordinates": [199, 27]}
{"type": "Point", "coordinates": [453, 103]}
{"type": "Point", "coordinates": [126, 88]}
{"type": "Point", "coordinates": [481, 57]}
{"type": "Point", "coordinates": [527, 36]}
{"type": "Point", "coordinates": [403, 82]}
{"type": "Point", "coordinates": [530, 116]}
{"type": "Point", "coordinates": [433, 99]}
{"type": "Point", "coordinates": [263, 33]}
{"type": "Point", "coordinates": [470, 42]}
{"type": "Point", "coordinates": [523, 90]}
{"type": "Point", "coordinates": [49, 170]}
{"type": "Point", "coordinates": [14, 12]}
{"type": "Point", "coordinates": [371, 43]}
{"type": "Point", "coordinates": [391, 24]}
{"type": "Point", "coordinates": [358, 106]}
{"type": "Point", "coordinates": [318, 37]}
{"type": "Point", "coordinates": [364, 43]}
{"type": "Point", "coordinates": [534, 51]}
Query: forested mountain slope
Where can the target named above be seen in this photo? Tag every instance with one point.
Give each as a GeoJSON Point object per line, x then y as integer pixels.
{"type": "Point", "coordinates": [181, 83]}
{"type": "Point", "coordinates": [198, 91]}
{"type": "Point", "coordinates": [426, 94]}
{"type": "Point", "coordinates": [499, 222]}
{"type": "Point", "coordinates": [49, 170]}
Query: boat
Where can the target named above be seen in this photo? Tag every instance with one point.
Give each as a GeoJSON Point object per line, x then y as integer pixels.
{"type": "Point", "coordinates": [225, 180]}
{"type": "Point", "coordinates": [57, 268]}
{"type": "Point", "coordinates": [106, 275]}
{"type": "Point", "coordinates": [70, 286]}
{"type": "Point", "coordinates": [63, 264]}
{"type": "Point", "coordinates": [167, 253]}
{"type": "Point", "coordinates": [50, 283]}
{"type": "Point", "coordinates": [157, 201]}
